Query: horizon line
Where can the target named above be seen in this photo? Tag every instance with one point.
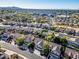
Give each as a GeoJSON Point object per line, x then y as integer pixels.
{"type": "Point", "coordinates": [42, 8]}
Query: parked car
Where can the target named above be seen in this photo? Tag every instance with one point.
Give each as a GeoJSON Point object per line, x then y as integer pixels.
{"type": "Point", "coordinates": [23, 47]}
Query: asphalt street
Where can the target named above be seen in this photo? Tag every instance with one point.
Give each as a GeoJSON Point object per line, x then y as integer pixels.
{"type": "Point", "coordinates": [15, 49]}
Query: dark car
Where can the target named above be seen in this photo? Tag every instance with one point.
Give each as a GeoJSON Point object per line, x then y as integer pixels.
{"type": "Point", "coordinates": [22, 47]}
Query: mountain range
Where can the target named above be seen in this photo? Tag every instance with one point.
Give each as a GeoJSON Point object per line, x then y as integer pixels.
{"type": "Point", "coordinates": [41, 11]}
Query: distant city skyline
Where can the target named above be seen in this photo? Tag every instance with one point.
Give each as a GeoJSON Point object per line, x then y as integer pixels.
{"type": "Point", "coordinates": [41, 4]}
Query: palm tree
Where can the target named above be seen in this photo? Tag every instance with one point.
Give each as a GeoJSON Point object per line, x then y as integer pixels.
{"type": "Point", "coordinates": [2, 11]}
{"type": "Point", "coordinates": [31, 46]}
{"type": "Point", "coordinates": [50, 36]}
{"type": "Point", "coordinates": [45, 50]}
{"type": "Point", "coordinates": [20, 41]}
{"type": "Point", "coordinates": [62, 52]}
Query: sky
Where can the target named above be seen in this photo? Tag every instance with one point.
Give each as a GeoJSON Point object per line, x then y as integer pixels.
{"type": "Point", "coordinates": [41, 4]}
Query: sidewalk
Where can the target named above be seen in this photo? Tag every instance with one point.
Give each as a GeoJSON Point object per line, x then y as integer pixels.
{"type": "Point", "coordinates": [12, 49]}
{"type": "Point", "coordinates": [38, 53]}
{"type": "Point", "coordinates": [8, 52]}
